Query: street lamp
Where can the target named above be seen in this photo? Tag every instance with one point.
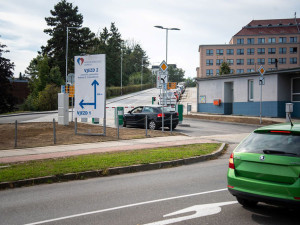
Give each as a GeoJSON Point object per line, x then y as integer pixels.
{"type": "Point", "coordinates": [67, 49]}
{"type": "Point", "coordinates": [167, 29]}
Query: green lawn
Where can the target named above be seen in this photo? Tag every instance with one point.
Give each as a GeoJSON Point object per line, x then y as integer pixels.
{"type": "Point", "coordinates": [20, 171]}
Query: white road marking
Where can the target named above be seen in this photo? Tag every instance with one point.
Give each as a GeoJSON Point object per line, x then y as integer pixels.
{"type": "Point", "coordinates": [125, 206]}
{"type": "Point", "coordinates": [200, 211]}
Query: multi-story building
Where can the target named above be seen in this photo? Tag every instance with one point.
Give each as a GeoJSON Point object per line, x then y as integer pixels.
{"type": "Point", "coordinates": [275, 44]}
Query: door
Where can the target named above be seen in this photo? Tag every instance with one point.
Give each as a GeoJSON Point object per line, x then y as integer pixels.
{"type": "Point", "coordinates": [228, 98]}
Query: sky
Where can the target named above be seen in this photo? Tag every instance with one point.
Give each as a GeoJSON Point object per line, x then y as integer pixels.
{"type": "Point", "coordinates": [22, 24]}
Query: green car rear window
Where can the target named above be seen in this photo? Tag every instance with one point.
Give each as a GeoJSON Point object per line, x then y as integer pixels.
{"type": "Point", "coordinates": [260, 142]}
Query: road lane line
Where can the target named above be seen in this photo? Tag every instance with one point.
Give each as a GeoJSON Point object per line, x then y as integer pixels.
{"type": "Point", "coordinates": [125, 206]}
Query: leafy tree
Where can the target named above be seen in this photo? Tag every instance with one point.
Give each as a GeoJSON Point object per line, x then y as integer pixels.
{"type": "Point", "coordinates": [79, 40]}
{"type": "Point", "coordinates": [6, 99]}
{"type": "Point", "coordinates": [190, 82]}
{"type": "Point", "coordinates": [224, 68]}
{"type": "Point", "coordinates": [41, 75]}
{"type": "Point", "coordinates": [175, 74]}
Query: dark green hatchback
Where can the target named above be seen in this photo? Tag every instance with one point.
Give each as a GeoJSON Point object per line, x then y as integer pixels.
{"type": "Point", "coordinates": [265, 167]}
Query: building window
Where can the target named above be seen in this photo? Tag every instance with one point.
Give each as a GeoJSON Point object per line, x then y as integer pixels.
{"type": "Point", "coordinates": [250, 61]}
{"type": "Point", "coordinates": [282, 40]}
{"type": "Point", "coordinates": [293, 50]}
{"type": "Point", "coordinates": [250, 90]}
{"type": "Point", "coordinates": [261, 61]}
{"type": "Point", "coordinates": [282, 60]}
{"type": "Point", "coordinates": [240, 41]}
{"type": "Point", "coordinates": [219, 51]}
{"type": "Point", "coordinates": [240, 62]}
{"type": "Point", "coordinates": [209, 62]}
{"type": "Point", "coordinates": [230, 62]}
{"type": "Point", "coordinates": [229, 52]}
{"type": "Point", "coordinates": [250, 70]}
{"type": "Point", "coordinates": [250, 51]}
{"type": "Point", "coordinates": [296, 89]}
{"type": "Point", "coordinates": [240, 51]}
{"type": "Point", "coordinates": [209, 52]}
{"type": "Point", "coordinates": [231, 71]}
{"type": "Point", "coordinates": [293, 39]}
{"type": "Point", "coordinates": [272, 40]}
{"type": "Point", "coordinates": [282, 50]}
{"type": "Point", "coordinates": [260, 51]}
{"type": "Point", "coordinates": [271, 61]}
{"type": "Point", "coordinates": [271, 50]}
{"type": "Point", "coordinates": [293, 60]}
{"type": "Point", "coordinates": [209, 72]}
{"type": "Point", "coordinates": [250, 41]}
{"type": "Point", "coordinates": [217, 72]}
{"type": "Point", "coordinates": [219, 62]}
{"type": "Point", "coordinates": [260, 40]}
{"type": "Point", "coordinates": [240, 71]}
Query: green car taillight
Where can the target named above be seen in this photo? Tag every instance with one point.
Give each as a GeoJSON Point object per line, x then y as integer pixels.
{"type": "Point", "coordinates": [231, 162]}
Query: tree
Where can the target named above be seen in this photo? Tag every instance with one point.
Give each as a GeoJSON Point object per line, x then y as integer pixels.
{"type": "Point", "coordinates": [79, 40]}
{"type": "Point", "coordinates": [6, 99]}
{"type": "Point", "coordinates": [224, 68]}
{"type": "Point", "coordinates": [175, 74]}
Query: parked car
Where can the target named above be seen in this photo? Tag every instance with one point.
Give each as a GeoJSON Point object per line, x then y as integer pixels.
{"type": "Point", "coordinates": [265, 166]}
{"type": "Point", "coordinates": [137, 117]}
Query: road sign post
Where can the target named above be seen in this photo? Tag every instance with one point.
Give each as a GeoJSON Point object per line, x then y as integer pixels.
{"type": "Point", "coordinates": [262, 71]}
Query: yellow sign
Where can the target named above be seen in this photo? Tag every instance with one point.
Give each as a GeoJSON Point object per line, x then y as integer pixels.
{"type": "Point", "coordinates": [163, 66]}
{"type": "Point", "coordinates": [171, 85]}
{"type": "Point", "coordinates": [71, 90]}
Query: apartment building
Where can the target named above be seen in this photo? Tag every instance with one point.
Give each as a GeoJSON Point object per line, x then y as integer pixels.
{"type": "Point", "coordinates": [275, 44]}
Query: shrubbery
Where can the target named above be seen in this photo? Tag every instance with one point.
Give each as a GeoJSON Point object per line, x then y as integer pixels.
{"type": "Point", "coordinates": [44, 101]}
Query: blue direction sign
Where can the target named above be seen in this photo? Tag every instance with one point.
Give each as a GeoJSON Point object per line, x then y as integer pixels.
{"type": "Point", "coordinates": [82, 103]}
{"type": "Point", "coordinates": [90, 88]}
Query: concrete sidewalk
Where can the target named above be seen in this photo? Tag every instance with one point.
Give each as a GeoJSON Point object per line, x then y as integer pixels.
{"type": "Point", "coordinates": [28, 154]}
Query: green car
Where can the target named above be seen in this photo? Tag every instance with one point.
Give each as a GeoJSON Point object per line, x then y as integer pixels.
{"type": "Point", "coordinates": [265, 167]}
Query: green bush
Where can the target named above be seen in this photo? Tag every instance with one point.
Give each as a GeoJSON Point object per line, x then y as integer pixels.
{"type": "Point", "coordinates": [47, 99]}
{"type": "Point", "coordinates": [44, 101]}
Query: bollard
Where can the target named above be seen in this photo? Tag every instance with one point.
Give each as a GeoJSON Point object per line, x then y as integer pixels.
{"type": "Point", "coordinates": [54, 132]}
{"type": "Point", "coordinates": [16, 133]}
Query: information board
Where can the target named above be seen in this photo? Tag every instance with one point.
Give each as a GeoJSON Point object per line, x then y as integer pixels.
{"type": "Point", "coordinates": [90, 78]}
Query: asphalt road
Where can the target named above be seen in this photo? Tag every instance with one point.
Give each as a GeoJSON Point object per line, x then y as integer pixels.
{"type": "Point", "coordinates": [140, 198]}
{"type": "Point", "coordinates": [193, 194]}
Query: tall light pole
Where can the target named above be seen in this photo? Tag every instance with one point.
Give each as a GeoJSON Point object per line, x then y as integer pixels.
{"type": "Point", "coordinates": [67, 49]}
{"type": "Point", "coordinates": [167, 29]}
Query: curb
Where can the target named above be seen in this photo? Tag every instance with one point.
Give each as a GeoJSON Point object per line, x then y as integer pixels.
{"type": "Point", "coordinates": [111, 171]}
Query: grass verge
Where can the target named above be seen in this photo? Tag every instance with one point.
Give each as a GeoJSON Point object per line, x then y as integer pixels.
{"type": "Point", "coordinates": [42, 168]}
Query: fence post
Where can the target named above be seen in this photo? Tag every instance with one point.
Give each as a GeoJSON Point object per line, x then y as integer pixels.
{"type": "Point", "coordinates": [146, 125]}
{"type": "Point", "coordinates": [171, 126]}
{"type": "Point", "coordinates": [75, 125]}
{"type": "Point", "coordinates": [117, 122]}
{"type": "Point", "coordinates": [16, 133]}
{"type": "Point", "coordinates": [54, 132]}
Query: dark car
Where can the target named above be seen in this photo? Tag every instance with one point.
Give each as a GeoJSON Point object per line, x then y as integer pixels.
{"type": "Point", "coordinates": [137, 117]}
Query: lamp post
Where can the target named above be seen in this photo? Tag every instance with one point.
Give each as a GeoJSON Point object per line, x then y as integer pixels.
{"type": "Point", "coordinates": [67, 49]}
{"type": "Point", "coordinates": [167, 29]}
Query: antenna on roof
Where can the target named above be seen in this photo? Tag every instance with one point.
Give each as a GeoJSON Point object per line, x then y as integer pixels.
{"type": "Point", "coordinates": [297, 23]}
